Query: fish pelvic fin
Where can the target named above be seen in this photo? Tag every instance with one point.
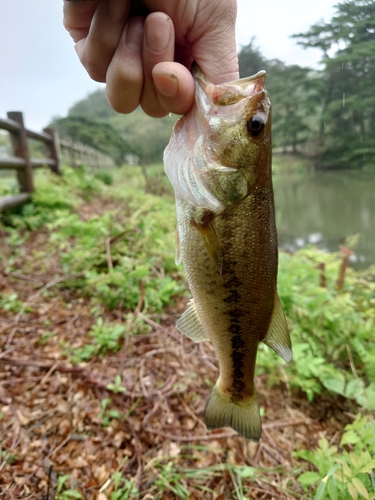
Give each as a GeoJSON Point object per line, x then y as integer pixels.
{"type": "Point", "coordinates": [243, 417]}
{"type": "Point", "coordinates": [190, 325]}
{"type": "Point", "coordinates": [277, 336]}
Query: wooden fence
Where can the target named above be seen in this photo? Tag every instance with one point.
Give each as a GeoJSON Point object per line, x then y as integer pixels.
{"type": "Point", "coordinates": [57, 150]}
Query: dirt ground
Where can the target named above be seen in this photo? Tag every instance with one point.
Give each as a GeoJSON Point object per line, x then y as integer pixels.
{"type": "Point", "coordinates": [54, 422]}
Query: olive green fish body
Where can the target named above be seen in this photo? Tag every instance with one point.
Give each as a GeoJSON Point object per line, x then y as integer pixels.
{"type": "Point", "coordinates": [227, 240]}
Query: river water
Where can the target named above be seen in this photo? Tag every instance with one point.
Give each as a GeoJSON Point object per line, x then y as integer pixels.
{"type": "Point", "coordinates": [323, 208]}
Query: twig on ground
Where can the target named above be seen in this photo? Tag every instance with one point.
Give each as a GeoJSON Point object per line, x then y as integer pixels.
{"type": "Point", "coordinates": [160, 327]}
{"type": "Point", "coordinates": [276, 449]}
{"type": "Point", "coordinates": [205, 358]}
{"type": "Point", "coordinates": [226, 435]}
{"type": "Point", "coordinates": [136, 312]}
{"type": "Point", "coordinates": [191, 413]}
{"type": "Point", "coordinates": [254, 462]}
{"type": "Point", "coordinates": [32, 297]}
{"type": "Point", "coordinates": [44, 379]}
{"type": "Point", "coordinates": [61, 445]}
{"type": "Point", "coordinates": [24, 277]}
{"type": "Point", "coordinates": [85, 375]}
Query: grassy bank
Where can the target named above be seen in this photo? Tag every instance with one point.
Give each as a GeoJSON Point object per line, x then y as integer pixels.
{"type": "Point", "coordinates": [101, 398]}
{"type": "Point", "coordinates": [289, 163]}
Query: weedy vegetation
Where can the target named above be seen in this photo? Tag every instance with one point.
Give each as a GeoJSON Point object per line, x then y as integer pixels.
{"type": "Point", "coordinates": [101, 398]}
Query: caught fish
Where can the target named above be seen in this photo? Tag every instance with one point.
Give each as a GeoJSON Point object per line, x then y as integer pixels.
{"type": "Point", "coordinates": [219, 163]}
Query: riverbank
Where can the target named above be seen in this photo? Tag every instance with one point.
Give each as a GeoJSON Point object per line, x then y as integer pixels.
{"type": "Point", "coordinates": [101, 398]}
{"type": "Point", "coordinates": [289, 163]}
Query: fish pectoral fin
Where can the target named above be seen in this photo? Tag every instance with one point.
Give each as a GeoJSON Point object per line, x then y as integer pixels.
{"type": "Point", "coordinates": [178, 257]}
{"type": "Point", "coordinates": [278, 333]}
{"type": "Point", "coordinates": [212, 243]}
{"type": "Point", "coordinates": [243, 417]}
{"type": "Point", "coordinates": [190, 325]}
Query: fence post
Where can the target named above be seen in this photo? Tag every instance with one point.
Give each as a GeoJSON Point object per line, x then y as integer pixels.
{"type": "Point", "coordinates": [54, 149]}
{"type": "Point", "coordinates": [69, 151]}
{"type": "Point", "coordinates": [21, 150]}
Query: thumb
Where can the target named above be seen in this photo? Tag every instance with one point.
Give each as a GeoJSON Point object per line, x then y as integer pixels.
{"type": "Point", "coordinates": [215, 49]}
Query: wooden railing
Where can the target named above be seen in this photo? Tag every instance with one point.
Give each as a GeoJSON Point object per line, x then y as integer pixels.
{"type": "Point", "coordinates": [21, 161]}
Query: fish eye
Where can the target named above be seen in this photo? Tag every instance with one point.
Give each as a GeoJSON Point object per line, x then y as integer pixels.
{"type": "Point", "coordinates": [255, 125]}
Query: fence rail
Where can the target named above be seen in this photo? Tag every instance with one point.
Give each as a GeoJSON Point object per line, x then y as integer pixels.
{"type": "Point", "coordinates": [57, 150]}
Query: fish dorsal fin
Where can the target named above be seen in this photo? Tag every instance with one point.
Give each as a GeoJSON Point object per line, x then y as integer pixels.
{"type": "Point", "coordinates": [178, 257]}
{"type": "Point", "coordinates": [212, 243]}
{"type": "Point", "coordinates": [190, 325]}
{"type": "Point", "coordinates": [278, 334]}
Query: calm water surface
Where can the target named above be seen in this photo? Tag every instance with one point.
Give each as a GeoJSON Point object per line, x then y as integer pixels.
{"type": "Point", "coordinates": [323, 208]}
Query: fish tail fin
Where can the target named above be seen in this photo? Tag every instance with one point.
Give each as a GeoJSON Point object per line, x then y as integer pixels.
{"type": "Point", "coordinates": [242, 416]}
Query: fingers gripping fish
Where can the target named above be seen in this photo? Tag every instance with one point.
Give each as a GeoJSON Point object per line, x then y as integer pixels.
{"type": "Point", "coordinates": [219, 163]}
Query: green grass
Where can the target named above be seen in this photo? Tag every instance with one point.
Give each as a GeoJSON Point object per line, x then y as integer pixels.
{"type": "Point", "coordinates": [123, 253]}
{"type": "Point", "coordinates": [126, 249]}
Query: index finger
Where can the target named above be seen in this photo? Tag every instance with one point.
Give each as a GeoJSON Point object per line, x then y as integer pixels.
{"type": "Point", "coordinates": [78, 15]}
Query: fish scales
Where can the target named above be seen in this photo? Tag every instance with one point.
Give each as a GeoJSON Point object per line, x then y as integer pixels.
{"type": "Point", "coordinates": [227, 239]}
{"type": "Point", "coordinates": [232, 304]}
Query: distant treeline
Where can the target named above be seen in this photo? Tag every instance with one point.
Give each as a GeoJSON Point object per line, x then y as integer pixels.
{"type": "Point", "coordinates": [327, 114]}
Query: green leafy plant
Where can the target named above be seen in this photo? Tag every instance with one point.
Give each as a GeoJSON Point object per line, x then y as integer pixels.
{"type": "Point", "coordinates": [107, 414]}
{"type": "Point", "coordinates": [6, 456]}
{"type": "Point", "coordinates": [345, 472]}
{"type": "Point", "coordinates": [116, 387]}
{"type": "Point", "coordinates": [105, 176]}
{"type": "Point", "coordinates": [10, 302]}
{"type": "Point", "coordinates": [123, 488]}
{"type": "Point", "coordinates": [331, 329]}
{"type": "Point", "coordinates": [119, 249]}
{"type": "Point", "coordinates": [107, 336]}
{"type": "Point", "coordinates": [65, 494]}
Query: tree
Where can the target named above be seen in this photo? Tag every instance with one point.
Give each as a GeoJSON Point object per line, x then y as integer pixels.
{"type": "Point", "coordinates": [347, 119]}
{"type": "Point", "coordinates": [251, 60]}
{"type": "Point", "coordinates": [94, 106]}
{"type": "Point", "coordinates": [93, 122]}
{"type": "Point", "coordinates": [292, 92]}
{"type": "Point", "coordinates": [98, 134]}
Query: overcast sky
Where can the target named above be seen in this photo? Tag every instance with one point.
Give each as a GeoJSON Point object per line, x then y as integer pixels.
{"type": "Point", "coordinates": [41, 75]}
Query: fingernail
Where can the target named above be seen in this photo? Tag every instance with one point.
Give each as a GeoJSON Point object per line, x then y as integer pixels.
{"type": "Point", "coordinates": [117, 9]}
{"type": "Point", "coordinates": [134, 33]}
{"type": "Point", "coordinates": [166, 83]}
{"type": "Point", "coordinates": [158, 37]}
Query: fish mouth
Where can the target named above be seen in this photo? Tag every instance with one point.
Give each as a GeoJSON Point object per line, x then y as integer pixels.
{"type": "Point", "coordinates": [229, 93]}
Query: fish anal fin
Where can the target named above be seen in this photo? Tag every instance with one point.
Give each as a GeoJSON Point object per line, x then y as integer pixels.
{"type": "Point", "coordinates": [190, 325]}
{"type": "Point", "coordinates": [243, 417]}
{"type": "Point", "coordinates": [277, 336]}
{"type": "Point", "coordinates": [211, 242]}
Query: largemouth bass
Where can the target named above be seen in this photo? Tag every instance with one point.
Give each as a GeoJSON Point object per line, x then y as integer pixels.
{"type": "Point", "coordinates": [219, 163]}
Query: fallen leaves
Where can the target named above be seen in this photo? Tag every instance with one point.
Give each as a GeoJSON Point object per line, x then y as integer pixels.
{"type": "Point", "coordinates": [70, 421]}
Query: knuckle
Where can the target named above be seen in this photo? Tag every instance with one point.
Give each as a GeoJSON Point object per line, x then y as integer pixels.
{"type": "Point", "coordinates": [121, 106]}
{"type": "Point", "coordinates": [96, 70]}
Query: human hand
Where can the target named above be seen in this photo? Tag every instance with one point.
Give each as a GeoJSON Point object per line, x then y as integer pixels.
{"type": "Point", "coordinates": [146, 61]}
